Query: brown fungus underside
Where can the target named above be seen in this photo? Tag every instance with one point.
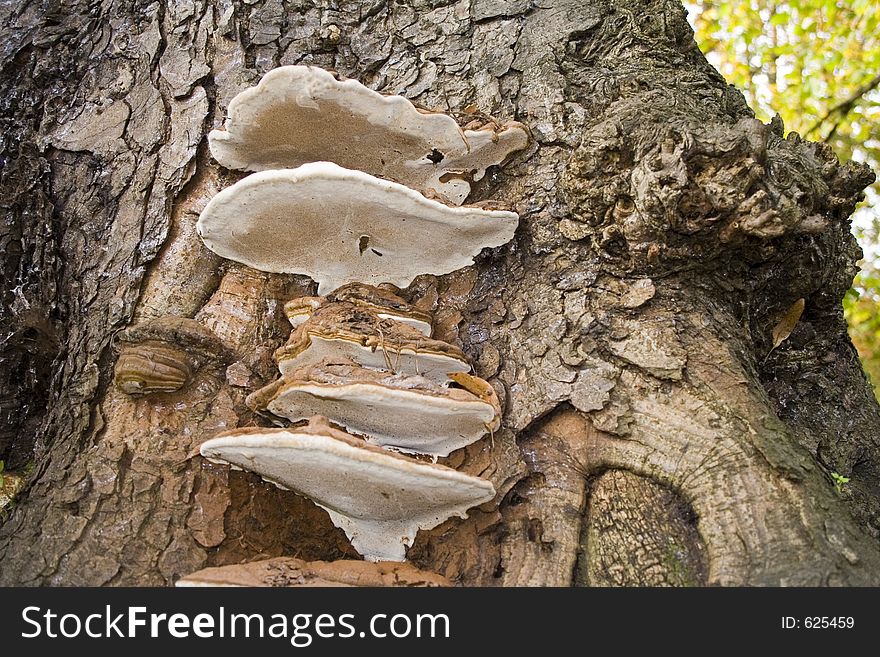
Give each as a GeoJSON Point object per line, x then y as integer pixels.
{"type": "Point", "coordinates": [346, 330]}
{"type": "Point", "coordinates": [384, 303]}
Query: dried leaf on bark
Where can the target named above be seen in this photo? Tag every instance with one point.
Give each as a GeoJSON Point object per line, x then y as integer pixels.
{"type": "Point", "coordinates": [786, 325]}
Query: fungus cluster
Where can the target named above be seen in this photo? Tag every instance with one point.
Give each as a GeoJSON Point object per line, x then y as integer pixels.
{"type": "Point", "coordinates": [363, 385]}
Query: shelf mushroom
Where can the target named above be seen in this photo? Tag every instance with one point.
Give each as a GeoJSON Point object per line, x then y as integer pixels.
{"type": "Point", "coordinates": [342, 226]}
{"type": "Point", "coordinates": [162, 354]}
{"type": "Point", "coordinates": [384, 304]}
{"type": "Point", "coordinates": [345, 193]}
{"type": "Point", "coordinates": [380, 499]}
{"type": "Point", "coordinates": [405, 412]}
{"type": "Point", "coordinates": [292, 572]}
{"type": "Point", "coordinates": [345, 331]}
{"type": "Point", "coordinates": [300, 309]}
{"type": "Point", "coordinates": [299, 114]}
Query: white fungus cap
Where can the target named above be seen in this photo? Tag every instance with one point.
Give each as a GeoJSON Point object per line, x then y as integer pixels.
{"type": "Point", "coordinates": [404, 412]}
{"type": "Point", "coordinates": [300, 114]}
{"type": "Point", "coordinates": [340, 226]}
{"type": "Point", "coordinates": [380, 499]}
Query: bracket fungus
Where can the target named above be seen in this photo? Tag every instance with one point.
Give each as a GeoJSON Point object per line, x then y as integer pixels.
{"type": "Point", "coordinates": [161, 355]}
{"type": "Point", "coordinates": [380, 499]}
{"type": "Point", "coordinates": [292, 572]}
{"type": "Point", "coordinates": [300, 309]}
{"type": "Point", "coordinates": [405, 412]}
{"type": "Point", "coordinates": [383, 303]}
{"type": "Point", "coordinates": [342, 226]}
{"type": "Point", "coordinates": [345, 331]}
{"type": "Point", "coordinates": [345, 193]}
{"type": "Point", "coordinates": [299, 114]}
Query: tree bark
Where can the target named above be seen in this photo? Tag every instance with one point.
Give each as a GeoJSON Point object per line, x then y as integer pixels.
{"type": "Point", "coordinates": [652, 435]}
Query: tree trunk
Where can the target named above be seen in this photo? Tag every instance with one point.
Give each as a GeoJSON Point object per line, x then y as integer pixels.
{"type": "Point", "coordinates": [651, 435]}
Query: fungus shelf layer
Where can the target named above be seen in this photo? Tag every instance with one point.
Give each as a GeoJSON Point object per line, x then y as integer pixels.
{"type": "Point", "coordinates": [299, 114]}
{"type": "Point", "coordinates": [382, 303]}
{"type": "Point", "coordinates": [404, 412]}
{"type": "Point", "coordinates": [342, 226]}
{"type": "Point", "coordinates": [378, 498]}
{"type": "Point", "coordinates": [342, 330]}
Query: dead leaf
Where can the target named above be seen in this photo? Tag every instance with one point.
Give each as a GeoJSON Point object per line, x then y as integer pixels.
{"type": "Point", "coordinates": [786, 325]}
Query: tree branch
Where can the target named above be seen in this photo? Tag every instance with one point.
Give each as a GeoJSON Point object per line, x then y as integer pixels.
{"type": "Point", "coordinates": [845, 106]}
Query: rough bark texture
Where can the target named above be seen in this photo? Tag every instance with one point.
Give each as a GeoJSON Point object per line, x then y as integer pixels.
{"type": "Point", "coordinates": [627, 510]}
{"type": "Point", "coordinates": [650, 434]}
